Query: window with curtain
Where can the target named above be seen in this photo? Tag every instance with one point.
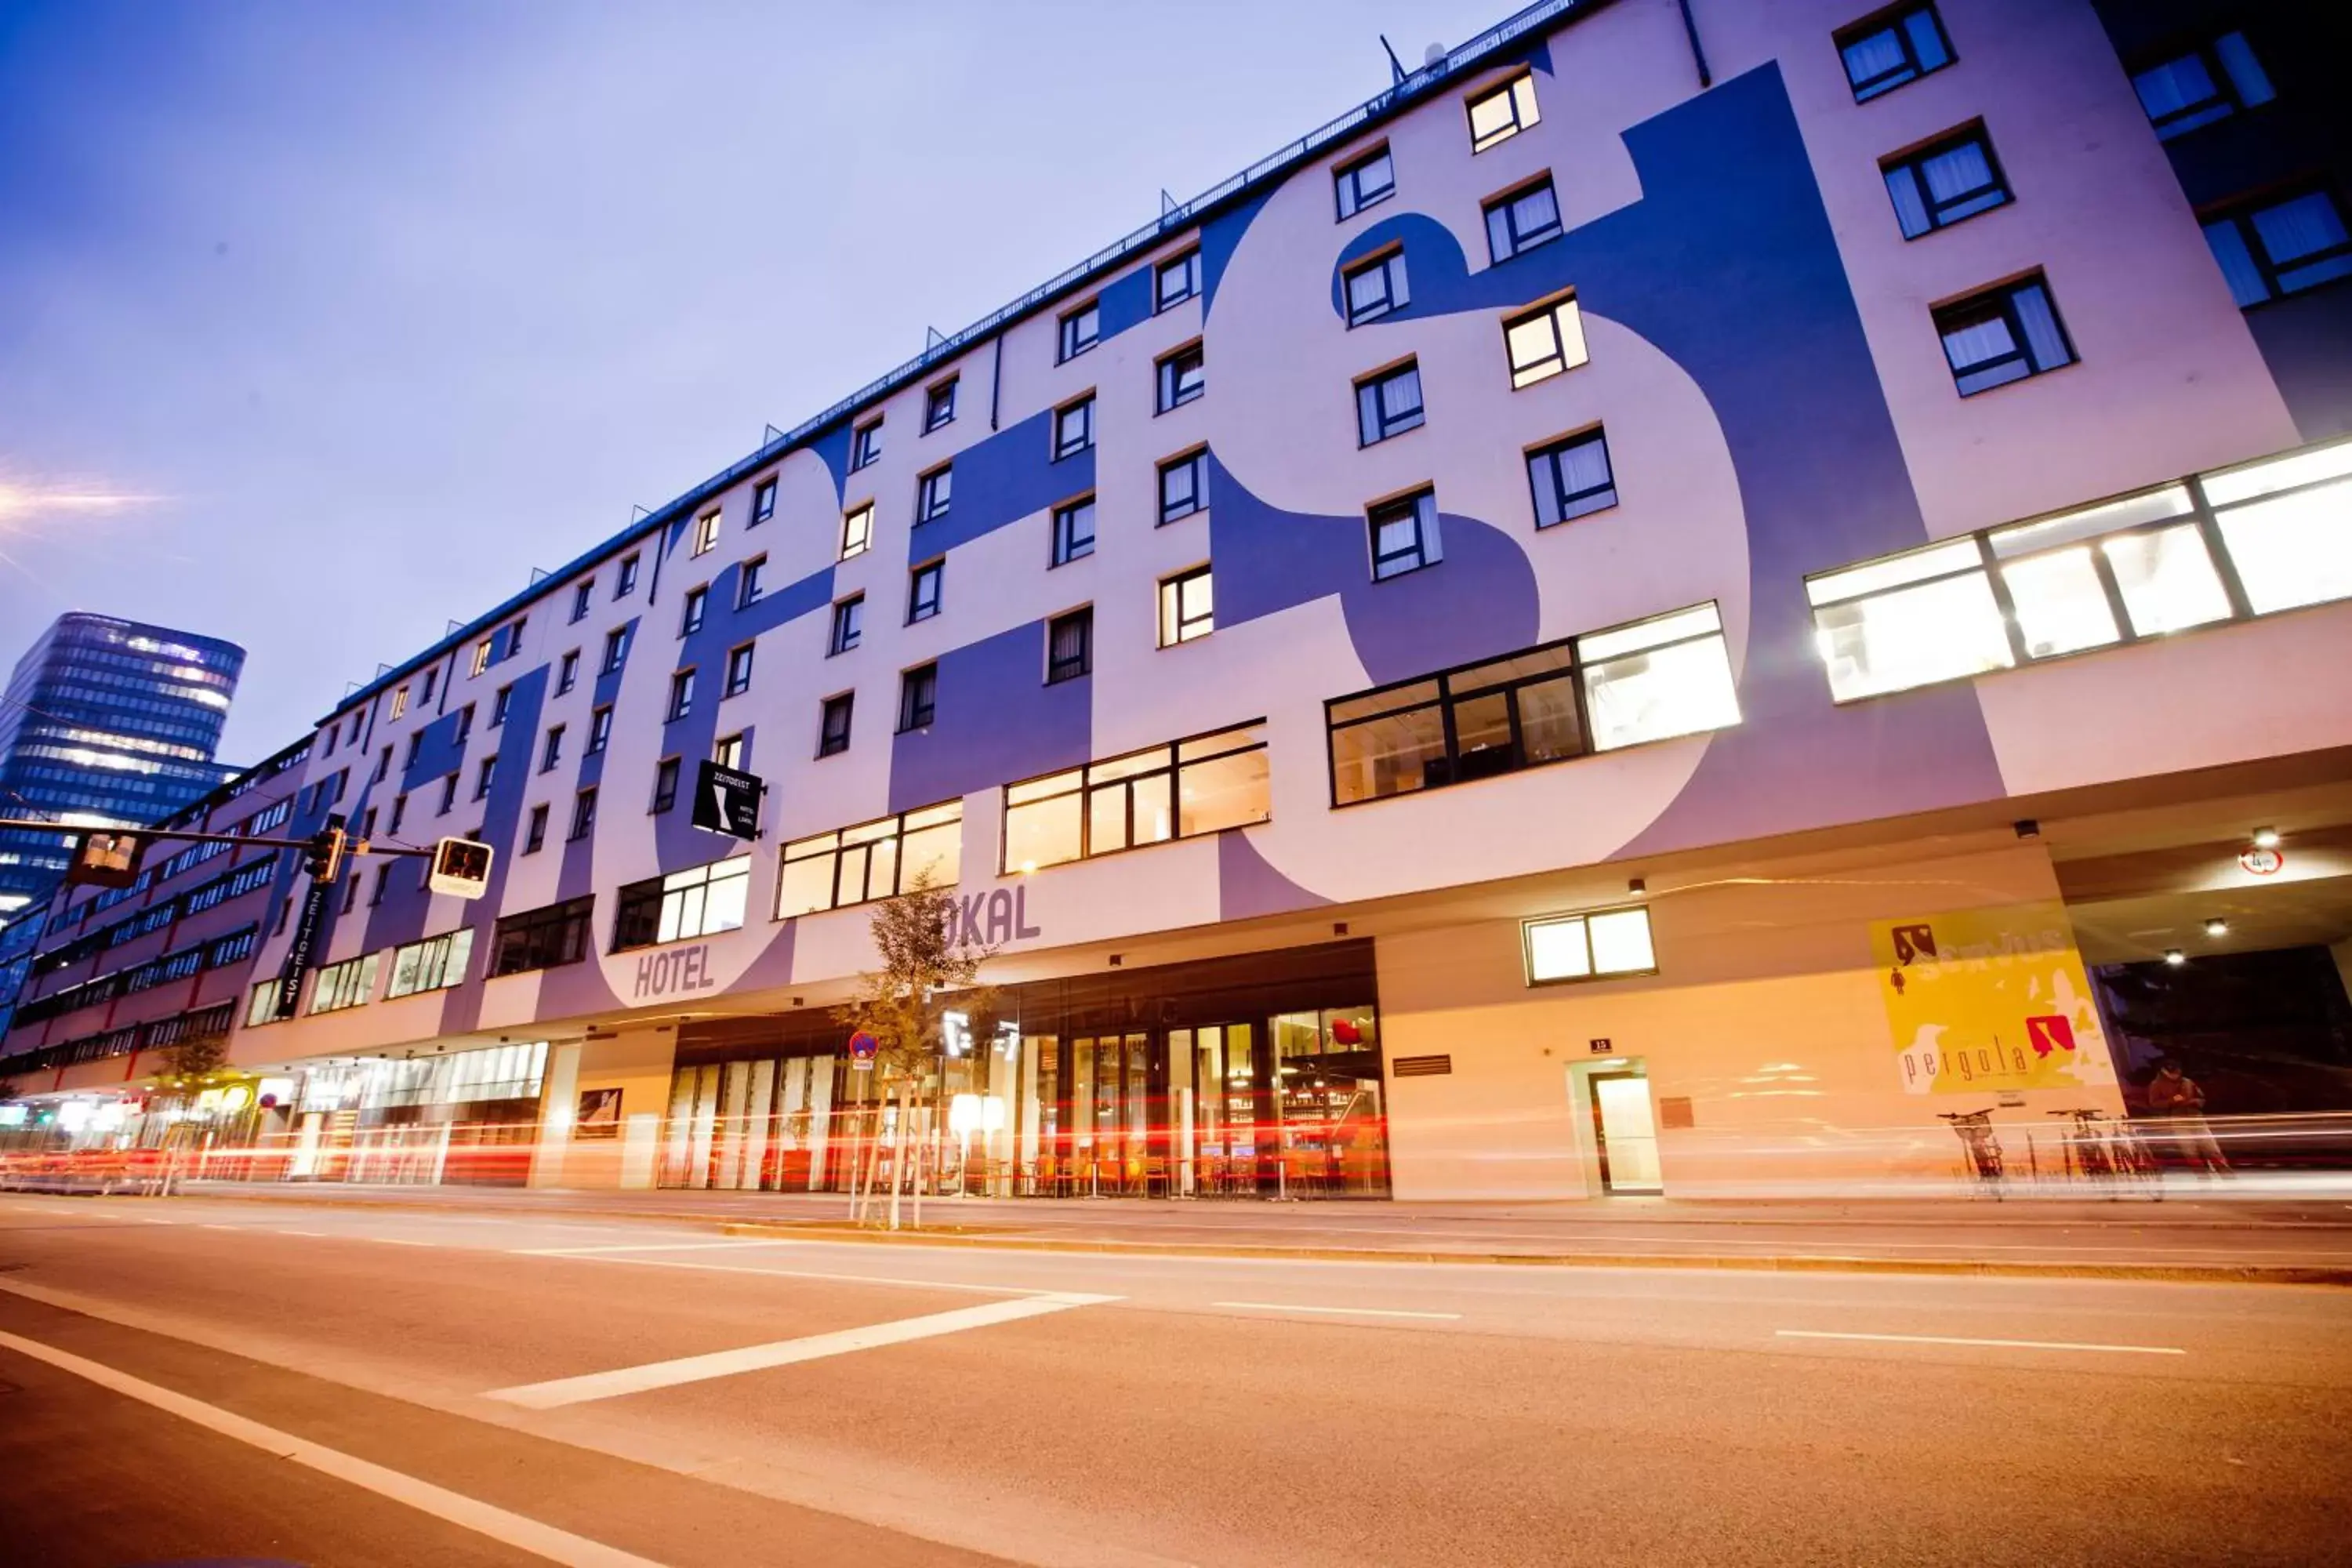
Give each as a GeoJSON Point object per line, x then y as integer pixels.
{"type": "Point", "coordinates": [2002, 335]}
{"type": "Point", "coordinates": [1404, 535]}
{"type": "Point", "coordinates": [2282, 246]}
{"type": "Point", "coordinates": [1518, 223]}
{"type": "Point", "coordinates": [1376, 287]}
{"type": "Point", "coordinates": [2207, 83]}
{"type": "Point", "coordinates": [1544, 342]}
{"type": "Point", "coordinates": [1895, 46]}
{"type": "Point", "coordinates": [873, 860]}
{"type": "Point", "coordinates": [1570, 478]}
{"type": "Point", "coordinates": [1389, 403]}
{"type": "Point", "coordinates": [1941, 183]}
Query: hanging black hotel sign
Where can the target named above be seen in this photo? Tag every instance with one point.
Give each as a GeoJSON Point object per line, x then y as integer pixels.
{"type": "Point", "coordinates": [727, 800]}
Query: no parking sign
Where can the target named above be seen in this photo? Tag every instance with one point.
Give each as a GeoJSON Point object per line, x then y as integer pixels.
{"type": "Point", "coordinates": [862, 1046]}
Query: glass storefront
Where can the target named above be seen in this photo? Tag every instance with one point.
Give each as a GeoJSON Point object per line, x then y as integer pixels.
{"type": "Point", "coordinates": [1252, 1076]}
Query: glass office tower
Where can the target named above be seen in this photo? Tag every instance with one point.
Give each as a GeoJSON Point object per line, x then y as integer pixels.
{"type": "Point", "coordinates": [106, 721]}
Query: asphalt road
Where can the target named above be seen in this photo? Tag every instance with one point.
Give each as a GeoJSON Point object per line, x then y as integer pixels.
{"type": "Point", "coordinates": [506, 1388]}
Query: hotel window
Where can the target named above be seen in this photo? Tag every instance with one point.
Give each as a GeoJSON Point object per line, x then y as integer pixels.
{"type": "Point", "coordinates": [1183, 485]}
{"type": "Point", "coordinates": [1656, 678]}
{"type": "Point", "coordinates": [616, 649]}
{"type": "Point", "coordinates": [1944, 181]}
{"type": "Point", "coordinates": [484, 774]}
{"type": "Point", "coordinates": [584, 813]}
{"type": "Point", "coordinates": [416, 750]}
{"type": "Point", "coordinates": [481, 657]}
{"type": "Point", "coordinates": [752, 584]}
{"type": "Point", "coordinates": [448, 794]}
{"type": "Point", "coordinates": [344, 984]}
{"type": "Point", "coordinates": [689, 620]}
{"type": "Point", "coordinates": [567, 673]}
{"type": "Point", "coordinates": [2142, 566]}
{"type": "Point", "coordinates": [2002, 335]}
{"type": "Point", "coordinates": [1592, 946]}
{"type": "Point", "coordinates": [1388, 404]}
{"type": "Point", "coordinates": [858, 531]}
{"type": "Point", "coordinates": [702, 901]}
{"type": "Point", "coordinates": [918, 694]}
{"type": "Point", "coordinates": [500, 706]}
{"type": "Point", "coordinates": [580, 597]}
{"type": "Point", "coordinates": [933, 492]}
{"type": "Point", "coordinates": [706, 532]}
{"type": "Point", "coordinates": [2210, 82]}
{"type": "Point", "coordinates": [399, 810]}
{"type": "Point", "coordinates": [1081, 330]}
{"type": "Point", "coordinates": [433, 964]}
{"type": "Point", "coordinates": [542, 939]}
{"type": "Point", "coordinates": [923, 590]}
{"type": "Point", "coordinates": [1364, 182]}
{"type": "Point", "coordinates": [873, 860]}
{"type": "Point", "coordinates": [534, 837]}
{"type": "Point", "coordinates": [1073, 530]}
{"type": "Point", "coordinates": [625, 584]}
{"type": "Point", "coordinates": [866, 445]}
{"type": "Point", "coordinates": [665, 785]}
{"type": "Point", "coordinates": [832, 724]}
{"type": "Point", "coordinates": [1074, 427]}
{"type": "Point", "coordinates": [681, 697]}
{"type": "Point", "coordinates": [1404, 535]}
{"type": "Point", "coordinates": [939, 404]}
{"type": "Point", "coordinates": [2281, 246]}
{"type": "Point", "coordinates": [261, 1003]}
{"type": "Point", "coordinates": [399, 707]}
{"type": "Point", "coordinates": [381, 886]}
{"type": "Point", "coordinates": [1570, 478]}
{"type": "Point", "coordinates": [1501, 114]}
{"type": "Point", "coordinates": [739, 671]}
{"type": "Point", "coordinates": [552, 751]}
{"type": "Point", "coordinates": [763, 500]}
{"type": "Point", "coordinates": [1070, 646]}
{"type": "Point", "coordinates": [848, 623]}
{"type": "Point", "coordinates": [425, 695]}
{"type": "Point", "coordinates": [1376, 287]}
{"type": "Point", "coordinates": [1883, 51]}
{"type": "Point", "coordinates": [1176, 281]}
{"type": "Point", "coordinates": [730, 751]}
{"type": "Point", "coordinates": [1183, 377]}
{"type": "Point", "coordinates": [1518, 223]}
{"type": "Point", "coordinates": [1198, 787]}
{"type": "Point", "coordinates": [1187, 607]}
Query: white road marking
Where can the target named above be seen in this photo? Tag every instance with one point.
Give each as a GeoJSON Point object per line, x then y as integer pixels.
{"type": "Point", "coordinates": [646, 1246]}
{"type": "Point", "coordinates": [398, 1241]}
{"type": "Point", "coordinates": [2000, 1344]}
{"type": "Point", "coordinates": [468, 1514]}
{"type": "Point", "coordinates": [782, 1352]}
{"type": "Point", "coordinates": [315, 1235]}
{"type": "Point", "coordinates": [220, 1228]}
{"type": "Point", "coordinates": [1337, 1311]}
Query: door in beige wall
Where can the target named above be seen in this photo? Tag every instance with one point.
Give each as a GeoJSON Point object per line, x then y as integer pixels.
{"type": "Point", "coordinates": [1626, 1132]}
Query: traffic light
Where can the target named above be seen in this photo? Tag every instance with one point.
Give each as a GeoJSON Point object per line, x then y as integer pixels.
{"type": "Point", "coordinates": [106, 860]}
{"type": "Point", "coordinates": [323, 856]}
{"type": "Point", "coordinates": [461, 866]}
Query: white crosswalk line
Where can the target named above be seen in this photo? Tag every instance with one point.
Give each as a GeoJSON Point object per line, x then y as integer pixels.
{"type": "Point", "coordinates": [782, 1352]}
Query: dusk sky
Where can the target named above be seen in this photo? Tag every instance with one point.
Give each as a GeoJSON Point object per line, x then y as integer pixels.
{"type": "Point", "coordinates": [324, 324]}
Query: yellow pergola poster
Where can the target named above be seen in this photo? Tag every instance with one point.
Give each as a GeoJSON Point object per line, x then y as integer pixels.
{"type": "Point", "coordinates": [1986, 1000]}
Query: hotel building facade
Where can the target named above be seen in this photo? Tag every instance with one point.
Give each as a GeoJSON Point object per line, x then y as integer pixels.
{"type": "Point", "coordinates": [1676, 596]}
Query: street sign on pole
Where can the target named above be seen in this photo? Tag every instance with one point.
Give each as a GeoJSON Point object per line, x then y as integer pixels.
{"type": "Point", "coordinates": [862, 1047]}
{"type": "Point", "coordinates": [727, 800]}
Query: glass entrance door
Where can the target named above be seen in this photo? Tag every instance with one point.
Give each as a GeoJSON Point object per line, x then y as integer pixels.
{"type": "Point", "coordinates": [1626, 1132]}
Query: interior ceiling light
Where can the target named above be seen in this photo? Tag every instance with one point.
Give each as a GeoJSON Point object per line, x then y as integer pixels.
{"type": "Point", "coordinates": [2217, 926]}
{"type": "Point", "coordinates": [2266, 838]}
{"type": "Point", "coordinates": [2175, 957]}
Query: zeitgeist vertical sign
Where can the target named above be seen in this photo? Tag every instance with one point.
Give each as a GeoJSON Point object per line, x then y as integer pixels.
{"type": "Point", "coordinates": [299, 953]}
{"type": "Point", "coordinates": [727, 800]}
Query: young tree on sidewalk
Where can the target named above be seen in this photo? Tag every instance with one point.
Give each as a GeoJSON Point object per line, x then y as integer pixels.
{"type": "Point", "coordinates": [924, 974]}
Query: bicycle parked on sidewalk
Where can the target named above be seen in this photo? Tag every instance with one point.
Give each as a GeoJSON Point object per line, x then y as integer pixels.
{"type": "Point", "coordinates": [2108, 1151]}
{"type": "Point", "coordinates": [1974, 1130]}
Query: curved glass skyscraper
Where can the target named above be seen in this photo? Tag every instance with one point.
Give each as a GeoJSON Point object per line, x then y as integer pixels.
{"type": "Point", "coordinates": [106, 721]}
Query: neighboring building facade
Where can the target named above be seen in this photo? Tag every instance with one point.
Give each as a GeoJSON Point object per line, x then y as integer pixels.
{"type": "Point", "coordinates": [1642, 613]}
{"type": "Point", "coordinates": [106, 723]}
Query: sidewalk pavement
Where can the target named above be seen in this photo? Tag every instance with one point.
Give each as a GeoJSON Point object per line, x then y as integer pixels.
{"type": "Point", "coordinates": [2189, 1237]}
